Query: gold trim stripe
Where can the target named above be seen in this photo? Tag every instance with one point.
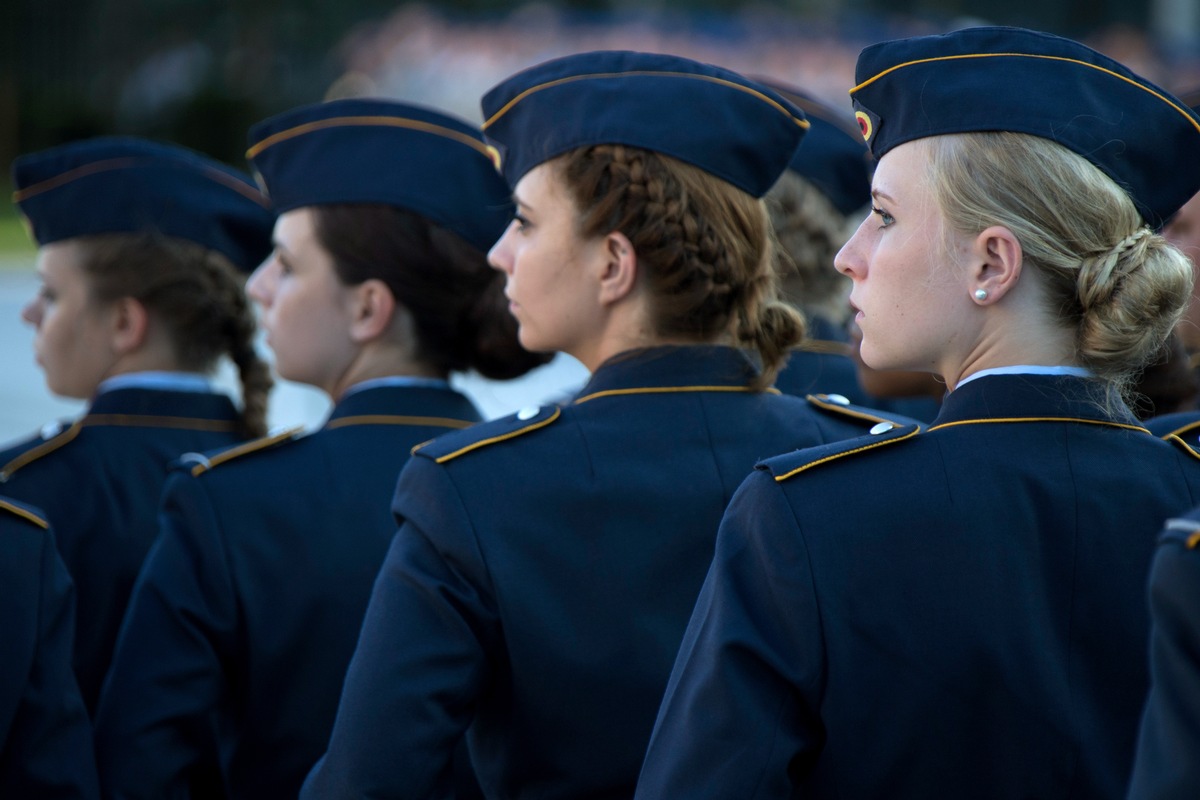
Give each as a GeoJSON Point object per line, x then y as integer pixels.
{"type": "Point", "coordinates": [1170, 437]}
{"type": "Point", "coordinates": [140, 421]}
{"type": "Point", "coordinates": [377, 120]}
{"type": "Point", "coordinates": [243, 449]}
{"type": "Point", "coordinates": [1193, 541]}
{"type": "Point", "coordinates": [476, 445]}
{"type": "Point", "coordinates": [20, 512]}
{"type": "Point", "coordinates": [1179, 432]}
{"type": "Point", "coordinates": [873, 445]}
{"type": "Point", "coordinates": [1131, 82]}
{"type": "Point", "coordinates": [668, 390]}
{"type": "Point", "coordinates": [803, 123]}
{"type": "Point", "coordinates": [127, 162]}
{"type": "Point", "coordinates": [396, 419]}
{"type": "Point", "coordinates": [42, 449]}
{"type": "Point", "coordinates": [1040, 419]}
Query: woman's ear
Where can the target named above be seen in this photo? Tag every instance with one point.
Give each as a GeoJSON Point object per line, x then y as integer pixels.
{"type": "Point", "coordinates": [129, 325]}
{"type": "Point", "coordinates": [372, 308]}
{"type": "Point", "coordinates": [997, 254]}
{"type": "Point", "coordinates": [620, 268]}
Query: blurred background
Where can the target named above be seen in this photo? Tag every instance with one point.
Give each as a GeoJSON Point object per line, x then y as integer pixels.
{"type": "Point", "coordinates": [200, 72]}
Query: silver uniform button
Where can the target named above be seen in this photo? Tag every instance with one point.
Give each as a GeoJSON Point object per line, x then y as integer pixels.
{"type": "Point", "coordinates": [529, 412]}
{"type": "Point", "coordinates": [882, 427]}
{"type": "Point", "coordinates": [839, 399]}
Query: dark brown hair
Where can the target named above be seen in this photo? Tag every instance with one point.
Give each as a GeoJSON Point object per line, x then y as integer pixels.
{"type": "Point", "coordinates": [196, 294]}
{"type": "Point", "coordinates": [460, 316]}
{"type": "Point", "coordinates": [704, 245]}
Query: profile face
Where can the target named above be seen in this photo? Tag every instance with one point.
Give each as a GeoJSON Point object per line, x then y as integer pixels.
{"type": "Point", "coordinates": [306, 310]}
{"type": "Point", "coordinates": [73, 332]}
{"type": "Point", "coordinates": [549, 269]}
{"type": "Point", "coordinates": [911, 287]}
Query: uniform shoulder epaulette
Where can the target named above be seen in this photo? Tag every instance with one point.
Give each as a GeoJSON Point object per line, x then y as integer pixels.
{"type": "Point", "coordinates": [53, 436]}
{"type": "Point", "coordinates": [840, 406]}
{"type": "Point", "coordinates": [1184, 431]}
{"type": "Point", "coordinates": [881, 434]}
{"type": "Point", "coordinates": [198, 463]}
{"type": "Point", "coordinates": [458, 443]}
{"type": "Point", "coordinates": [1185, 531]}
{"type": "Point", "coordinates": [27, 513]}
{"type": "Point", "coordinates": [1189, 445]}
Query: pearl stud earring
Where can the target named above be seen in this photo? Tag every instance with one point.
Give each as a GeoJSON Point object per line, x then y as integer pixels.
{"type": "Point", "coordinates": [981, 294]}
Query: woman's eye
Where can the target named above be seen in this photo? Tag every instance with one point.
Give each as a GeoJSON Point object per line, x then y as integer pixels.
{"type": "Point", "coordinates": [522, 223]}
{"type": "Point", "coordinates": [885, 219]}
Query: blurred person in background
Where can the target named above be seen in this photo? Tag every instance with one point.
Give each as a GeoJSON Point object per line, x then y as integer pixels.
{"type": "Point", "coordinates": [547, 562]}
{"type": "Point", "coordinates": [249, 605]}
{"type": "Point", "coordinates": [142, 250]}
{"type": "Point", "coordinates": [1167, 767]}
{"type": "Point", "coordinates": [814, 207]}
{"type": "Point", "coordinates": [959, 611]}
{"type": "Point", "coordinates": [1183, 231]}
{"type": "Point", "coordinates": [45, 736]}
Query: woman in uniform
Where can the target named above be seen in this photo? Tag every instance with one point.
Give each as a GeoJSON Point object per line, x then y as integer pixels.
{"type": "Point", "coordinates": [959, 612]}
{"type": "Point", "coordinates": [248, 608]}
{"type": "Point", "coordinates": [140, 248]}
{"type": "Point", "coordinates": [547, 562]}
{"type": "Point", "coordinates": [45, 736]}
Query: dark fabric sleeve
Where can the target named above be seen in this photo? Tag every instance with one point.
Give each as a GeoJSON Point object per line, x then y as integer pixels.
{"type": "Point", "coordinates": [738, 715]}
{"type": "Point", "coordinates": [1168, 757]}
{"type": "Point", "coordinates": [47, 752]}
{"type": "Point", "coordinates": [154, 722]}
{"type": "Point", "coordinates": [422, 655]}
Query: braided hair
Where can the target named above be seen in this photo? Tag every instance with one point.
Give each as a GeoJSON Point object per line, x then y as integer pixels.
{"type": "Point", "coordinates": [704, 245]}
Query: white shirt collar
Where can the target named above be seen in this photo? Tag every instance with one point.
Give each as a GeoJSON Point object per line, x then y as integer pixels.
{"type": "Point", "coordinates": [168, 381]}
{"type": "Point", "coordinates": [1027, 369]}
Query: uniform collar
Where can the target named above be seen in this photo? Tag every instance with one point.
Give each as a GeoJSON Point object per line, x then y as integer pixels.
{"type": "Point", "coordinates": [673, 366]}
{"type": "Point", "coordinates": [1028, 396]}
{"type": "Point", "coordinates": [137, 401]}
{"type": "Point", "coordinates": [389, 399]}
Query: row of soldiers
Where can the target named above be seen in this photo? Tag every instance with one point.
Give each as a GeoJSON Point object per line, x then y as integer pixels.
{"type": "Point", "coordinates": [718, 569]}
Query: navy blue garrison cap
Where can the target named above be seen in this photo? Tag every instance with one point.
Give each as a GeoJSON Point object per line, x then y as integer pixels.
{"type": "Point", "coordinates": [726, 124]}
{"type": "Point", "coordinates": [131, 185]}
{"type": "Point", "coordinates": [1011, 79]}
{"type": "Point", "coordinates": [382, 151]}
{"type": "Point", "coordinates": [832, 157]}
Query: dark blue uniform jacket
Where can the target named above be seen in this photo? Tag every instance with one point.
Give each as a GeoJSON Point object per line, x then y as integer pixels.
{"type": "Point", "coordinates": [955, 613]}
{"type": "Point", "coordinates": [45, 737]}
{"type": "Point", "coordinates": [1168, 757]}
{"type": "Point", "coordinates": [250, 603]}
{"type": "Point", "coordinates": [543, 575]}
{"type": "Point", "coordinates": [99, 482]}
